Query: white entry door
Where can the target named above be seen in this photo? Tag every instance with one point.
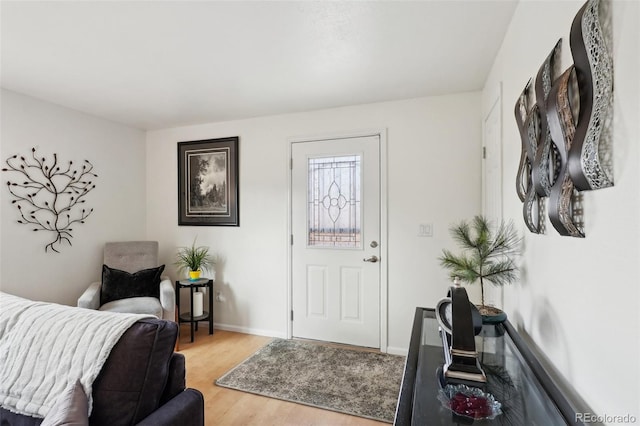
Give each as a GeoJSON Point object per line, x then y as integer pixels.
{"type": "Point", "coordinates": [335, 193]}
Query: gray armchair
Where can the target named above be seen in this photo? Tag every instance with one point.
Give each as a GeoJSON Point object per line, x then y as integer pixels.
{"type": "Point", "coordinates": [131, 257]}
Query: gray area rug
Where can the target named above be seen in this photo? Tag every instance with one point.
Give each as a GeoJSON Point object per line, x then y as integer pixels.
{"type": "Point", "coordinates": [364, 384]}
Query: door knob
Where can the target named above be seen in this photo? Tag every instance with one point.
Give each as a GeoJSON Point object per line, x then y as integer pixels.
{"type": "Point", "coordinates": [372, 259]}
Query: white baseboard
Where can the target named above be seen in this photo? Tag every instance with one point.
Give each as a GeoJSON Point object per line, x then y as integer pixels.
{"type": "Point", "coordinates": [249, 330]}
{"type": "Point", "coordinates": [397, 351]}
{"type": "Point", "coordinates": [283, 335]}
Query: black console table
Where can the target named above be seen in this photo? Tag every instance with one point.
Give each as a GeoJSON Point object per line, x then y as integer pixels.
{"type": "Point", "coordinates": [188, 317]}
{"type": "Point", "coordinates": [515, 377]}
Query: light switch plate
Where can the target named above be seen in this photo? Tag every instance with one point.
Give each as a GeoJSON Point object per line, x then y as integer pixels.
{"type": "Point", "coordinates": [425, 230]}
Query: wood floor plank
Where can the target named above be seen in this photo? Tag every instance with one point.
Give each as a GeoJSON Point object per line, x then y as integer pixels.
{"type": "Point", "coordinates": [210, 356]}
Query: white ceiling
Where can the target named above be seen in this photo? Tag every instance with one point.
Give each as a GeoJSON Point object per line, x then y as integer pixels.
{"type": "Point", "coordinates": [159, 64]}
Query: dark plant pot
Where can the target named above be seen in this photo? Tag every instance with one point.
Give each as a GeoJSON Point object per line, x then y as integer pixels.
{"type": "Point", "coordinates": [497, 318]}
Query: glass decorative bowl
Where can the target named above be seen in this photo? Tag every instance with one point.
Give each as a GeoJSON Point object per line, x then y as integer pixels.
{"type": "Point", "coordinates": [469, 402]}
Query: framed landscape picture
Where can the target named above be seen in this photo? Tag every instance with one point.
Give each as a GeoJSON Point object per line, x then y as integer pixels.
{"type": "Point", "coordinates": [208, 182]}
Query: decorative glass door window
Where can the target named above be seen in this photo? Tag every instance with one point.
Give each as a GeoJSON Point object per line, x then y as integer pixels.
{"type": "Point", "coordinates": [334, 208]}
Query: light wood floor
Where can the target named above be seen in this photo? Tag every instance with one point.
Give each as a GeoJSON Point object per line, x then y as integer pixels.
{"type": "Point", "coordinates": [210, 356]}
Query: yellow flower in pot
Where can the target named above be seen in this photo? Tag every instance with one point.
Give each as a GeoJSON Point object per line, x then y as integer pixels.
{"type": "Point", "coordinates": [194, 259]}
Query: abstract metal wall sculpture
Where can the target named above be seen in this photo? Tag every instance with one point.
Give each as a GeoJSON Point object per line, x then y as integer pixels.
{"type": "Point", "coordinates": [569, 129]}
{"type": "Point", "coordinates": [528, 120]}
{"type": "Point", "coordinates": [538, 158]}
{"type": "Point", "coordinates": [50, 196]}
{"type": "Point", "coordinates": [590, 158]}
{"type": "Point", "coordinates": [545, 163]}
{"type": "Point", "coordinates": [524, 168]}
{"type": "Point", "coordinates": [565, 203]}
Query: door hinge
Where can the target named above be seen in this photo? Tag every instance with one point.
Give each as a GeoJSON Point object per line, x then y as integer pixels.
{"type": "Point", "coordinates": [484, 152]}
{"type": "Point", "coordinates": [291, 163]}
{"type": "Point", "coordinates": [291, 239]}
{"type": "Point", "coordinates": [292, 315]}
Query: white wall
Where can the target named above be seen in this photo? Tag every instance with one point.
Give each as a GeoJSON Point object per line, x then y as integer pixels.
{"type": "Point", "coordinates": [118, 154]}
{"type": "Point", "coordinates": [578, 299]}
{"type": "Point", "coordinates": [433, 177]}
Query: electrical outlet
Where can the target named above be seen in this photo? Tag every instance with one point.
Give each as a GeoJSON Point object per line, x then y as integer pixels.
{"type": "Point", "coordinates": [218, 296]}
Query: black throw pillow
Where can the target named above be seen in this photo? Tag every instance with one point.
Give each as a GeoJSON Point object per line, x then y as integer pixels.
{"type": "Point", "coordinates": [117, 284]}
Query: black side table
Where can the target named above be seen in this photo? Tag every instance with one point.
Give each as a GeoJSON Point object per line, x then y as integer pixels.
{"type": "Point", "coordinates": [188, 316]}
{"type": "Point", "coordinates": [515, 377]}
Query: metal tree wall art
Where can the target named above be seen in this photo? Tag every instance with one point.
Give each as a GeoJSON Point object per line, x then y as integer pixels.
{"type": "Point", "coordinates": [50, 196]}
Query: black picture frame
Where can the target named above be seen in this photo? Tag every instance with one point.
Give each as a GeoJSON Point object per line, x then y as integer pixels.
{"type": "Point", "coordinates": [208, 193]}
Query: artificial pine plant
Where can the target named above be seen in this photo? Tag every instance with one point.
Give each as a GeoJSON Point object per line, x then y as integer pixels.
{"type": "Point", "coordinates": [488, 254]}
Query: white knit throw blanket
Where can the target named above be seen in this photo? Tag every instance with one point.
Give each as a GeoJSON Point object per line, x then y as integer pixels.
{"type": "Point", "coordinates": [45, 347]}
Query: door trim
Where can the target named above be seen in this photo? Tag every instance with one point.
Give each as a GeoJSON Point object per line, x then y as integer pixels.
{"type": "Point", "coordinates": [384, 254]}
{"type": "Point", "coordinates": [496, 103]}
{"type": "Point", "coordinates": [496, 106]}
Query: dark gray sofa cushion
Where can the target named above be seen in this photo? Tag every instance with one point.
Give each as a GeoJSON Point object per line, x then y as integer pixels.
{"type": "Point", "coordinates": [131, 383]}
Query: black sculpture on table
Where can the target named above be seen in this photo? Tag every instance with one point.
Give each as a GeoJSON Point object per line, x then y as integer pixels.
{"type": "Point", "coordinates": [460, 321]}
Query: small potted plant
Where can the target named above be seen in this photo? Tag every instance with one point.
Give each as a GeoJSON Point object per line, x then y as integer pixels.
{"type": "Point", "coordinates": [194, 259]}
{"type": "Point", "coordinates": [488, 254]}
